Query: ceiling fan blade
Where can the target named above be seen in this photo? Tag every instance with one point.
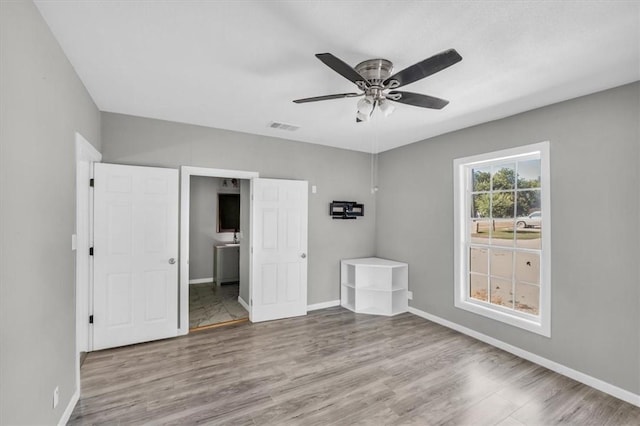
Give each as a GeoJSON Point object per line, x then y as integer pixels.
{"type": "Point", "coordinates": [342, 68]}
{"type": "Point", "coordinates": [327, 97]}
{"type": "Point", "coordinates": [425, 68]}
{"type": "Point", "coordinates": [419, 100]}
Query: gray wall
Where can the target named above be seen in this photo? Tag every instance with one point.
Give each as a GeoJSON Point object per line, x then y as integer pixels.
{"type": "Point", "coordinates": [339, 175]}
{"type": "Point", "coordinates": [594, 144]}
{"type": "Point", "coordinates": [203, 220]}
{"type": "Point", "coordinates": [42, 105]}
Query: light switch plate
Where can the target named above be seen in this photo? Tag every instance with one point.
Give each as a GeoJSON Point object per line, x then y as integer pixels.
{"type": "Point", "coordinates": [56, 396]}
{"type": "Point", "coordinates": [409, 295]}
{"type": "Point", "coordinates": [74, 242]}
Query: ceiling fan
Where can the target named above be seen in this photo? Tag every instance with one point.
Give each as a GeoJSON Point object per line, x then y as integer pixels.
{"type": "Point", "coordinates": [373, 77]}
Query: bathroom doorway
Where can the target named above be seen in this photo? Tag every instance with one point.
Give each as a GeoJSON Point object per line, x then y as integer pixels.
{"type": "Point", "coordinates": [215, 260]}
{"type": "Point", "coordinates": [217, 225]}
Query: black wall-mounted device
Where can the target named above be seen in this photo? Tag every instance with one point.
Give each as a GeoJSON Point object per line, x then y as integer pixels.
{"type": "Point", "coordinates": [346, 209]}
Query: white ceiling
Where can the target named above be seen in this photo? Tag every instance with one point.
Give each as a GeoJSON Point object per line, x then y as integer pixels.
{"type": "Point", "coordinates": [238, 65]}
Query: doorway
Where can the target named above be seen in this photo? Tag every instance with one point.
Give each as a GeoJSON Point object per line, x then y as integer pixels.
{"type": "Point", "coordinates": [203, 242]}
{"type": "Point", "coordinates": [218, 247]}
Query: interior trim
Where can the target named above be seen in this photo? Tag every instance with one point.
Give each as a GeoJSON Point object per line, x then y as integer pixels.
{"type": "Point", "coordinates": [66, 415]}
{"type": "Point", "coordinates": [243, 303]}
{"type": "Point", "coordinates": [323, 305]}
{"type": "Point", "coordinates": [219, 324]}
{"type": "Point", "coordinates": [201, 280]}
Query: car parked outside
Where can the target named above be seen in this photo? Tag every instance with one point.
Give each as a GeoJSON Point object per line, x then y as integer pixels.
{"type": "Point", "coordinates": [533, 220]}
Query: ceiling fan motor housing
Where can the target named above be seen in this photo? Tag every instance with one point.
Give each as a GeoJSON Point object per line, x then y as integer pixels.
{"type": "Point", "coordinates": [375, 71]}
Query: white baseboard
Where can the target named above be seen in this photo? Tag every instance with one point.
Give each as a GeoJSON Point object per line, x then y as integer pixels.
{"type": "Point", "coordinates": [243, 303]}
{"type": "Point", "coordinates": [601, 385]}
{"type": "Point", "coordinates": [201, 280]}
{"type": "Point", "coordinates": [69, 410]}
{"type": "Point", "coordinates": [323, 305]}
{"type": "Point", "coordinates": [313, 307]}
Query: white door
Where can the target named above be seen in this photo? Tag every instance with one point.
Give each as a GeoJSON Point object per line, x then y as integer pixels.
{"type": "Point", "coordinates": [279, 245]}
{"type": "Point", "coordinates": [135, 297]}
{"type": "Point", "coordinates": [86, 157]}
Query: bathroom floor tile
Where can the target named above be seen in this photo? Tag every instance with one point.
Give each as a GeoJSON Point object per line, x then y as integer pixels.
{"type": "Point", "coordinates": [211, 304]}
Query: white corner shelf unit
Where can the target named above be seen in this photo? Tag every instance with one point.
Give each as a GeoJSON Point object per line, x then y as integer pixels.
{"type": "Point", "coordinates": [374, 286]}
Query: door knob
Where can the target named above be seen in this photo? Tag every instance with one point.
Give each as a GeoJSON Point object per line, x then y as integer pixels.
{"type": "Point", "coordinates": [172, 261]}
{"type": "Point", "coordinates": [303, 255]}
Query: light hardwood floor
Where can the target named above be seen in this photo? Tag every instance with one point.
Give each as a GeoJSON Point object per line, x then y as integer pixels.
{"type": "Point", "coordinates": [333, 367]}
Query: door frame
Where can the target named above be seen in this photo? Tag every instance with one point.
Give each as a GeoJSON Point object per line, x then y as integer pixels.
{"type": "Point", "coordinates": [83, 239]}
{"type": "Point", "coordinates": [185, 198]}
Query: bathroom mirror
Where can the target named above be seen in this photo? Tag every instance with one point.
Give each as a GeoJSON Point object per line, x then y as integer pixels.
{"type": "Point", "coordinates": [228, 212]}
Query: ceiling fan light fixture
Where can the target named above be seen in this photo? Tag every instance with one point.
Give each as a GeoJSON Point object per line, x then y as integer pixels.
{"type": "Point", "coordinates": [362, 117]}
{"type": "Point", "coordinates": [386, 107]}
{"type": "Point", "coordinates": [365, 105]}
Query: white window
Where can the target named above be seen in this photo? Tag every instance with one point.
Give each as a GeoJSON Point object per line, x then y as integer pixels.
{"type": "Point", "coordinates": [502, 236]}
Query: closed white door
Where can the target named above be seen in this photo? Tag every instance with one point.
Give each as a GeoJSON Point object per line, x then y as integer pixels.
{"type": "Point", "coordinates": [135, 297]}
{"type": "Point", "coordinates": [279, 245]}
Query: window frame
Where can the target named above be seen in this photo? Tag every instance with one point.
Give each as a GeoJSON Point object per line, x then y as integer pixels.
{"type": "Point", "coordinates": [540, 324]}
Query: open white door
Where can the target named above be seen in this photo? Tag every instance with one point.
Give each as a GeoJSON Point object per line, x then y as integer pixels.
{"type": "Point", "coordinates": [135, 297]}
{"type": "Point", "coordinates": [279, 245]}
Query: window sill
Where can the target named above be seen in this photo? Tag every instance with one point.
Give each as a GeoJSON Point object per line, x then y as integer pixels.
{"type": "Point", "coordinates": [539, 327]}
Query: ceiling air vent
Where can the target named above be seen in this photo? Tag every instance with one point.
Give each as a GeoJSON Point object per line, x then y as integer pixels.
{"type": "Point", "coordinates": [283, 126]}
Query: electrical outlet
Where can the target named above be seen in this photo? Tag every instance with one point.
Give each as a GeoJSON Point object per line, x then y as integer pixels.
{"type": "Point", "coordinates": [314, 189]}
{"type": "Point", "coordinates": [56, 396]}
{"type": "Point", "coordinates": [410, 295]}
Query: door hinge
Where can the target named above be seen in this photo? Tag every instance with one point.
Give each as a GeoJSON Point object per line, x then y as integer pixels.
{"type": "Point", "coordinates": [92, 182]}
{"type": "Point", "coordinates": [90, 251]}
{"type": "Point", "coordinates": [90, 319]}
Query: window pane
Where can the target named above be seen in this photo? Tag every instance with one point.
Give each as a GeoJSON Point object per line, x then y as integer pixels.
{"type": "Point", "coordinates": [478, 258]}
{"type": "Point", "coordinates": [529, 238]}
{"type": "Point", "coordinates": [528, 203]}
{"type": "Point", "coordinates": [478, 287]}
{"type": "Point", "coordinates": [504, 177]}
{"type": "Point", "coordinates": [502, 233]}
{"type": "Point", "coordinates": [481, 179]}
{"type": "Point", "coordinates": [503, 220]}
{"type": "Point", "coordinates": [502, 263]}
{"type": "Point", "coordinates": [528, 267]}
{"type": "Point", "coordinates": [502, 205]}
{"type": "Point", "coordinates": [528, 220]}
{"type": "Point", "coordinates": [501, 293]}
{"type": "Point", "coordinates": [527, 298]}
{"type": "Point", "coordinates": [480, 206]}
{"type": "Point", "coordinates": [480, 231]}
{"type": "Point", "coordinates": [529, 174]}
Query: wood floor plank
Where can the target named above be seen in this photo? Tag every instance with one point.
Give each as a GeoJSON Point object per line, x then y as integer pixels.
{"type": "Point", "coordinates": [333, 367]}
